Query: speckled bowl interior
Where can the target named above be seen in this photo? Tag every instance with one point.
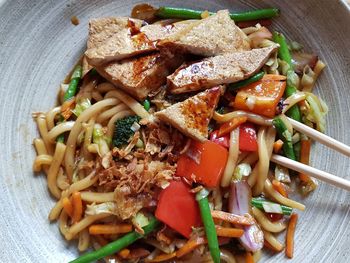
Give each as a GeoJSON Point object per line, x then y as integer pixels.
{"type": "Point", "coordinates": [39, 45]}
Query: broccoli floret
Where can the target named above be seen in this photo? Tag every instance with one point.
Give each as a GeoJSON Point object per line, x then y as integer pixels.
{"type": "Point", "coordinates": [123, 131]}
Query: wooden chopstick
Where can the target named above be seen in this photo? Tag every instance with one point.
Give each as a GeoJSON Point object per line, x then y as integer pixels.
{"type": "Point", "coordinates": [318, 174]}
{"type": "Point", "coordinates": [320, 137]}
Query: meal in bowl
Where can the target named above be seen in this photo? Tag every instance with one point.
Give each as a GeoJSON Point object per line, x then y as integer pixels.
{"type": "Point", "coordinates": [160, 146]}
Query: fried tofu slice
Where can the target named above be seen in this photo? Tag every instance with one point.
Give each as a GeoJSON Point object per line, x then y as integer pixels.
{"type": "Point", "coordinates": [101, 29]}
{"type": "Point", "coordinates": [128, 43]}
{"type": "Point", "coordinates": [140, 76]}
{"type": "Point", "coordinates": [222, 69]}
{"type": "Point", "coordinates": [214, 35]}
{"type": "Point", "coordinates": [193, 115]}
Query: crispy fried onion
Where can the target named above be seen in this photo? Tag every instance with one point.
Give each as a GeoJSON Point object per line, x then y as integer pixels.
{"type": "Point", "coordinates": [135, 183]}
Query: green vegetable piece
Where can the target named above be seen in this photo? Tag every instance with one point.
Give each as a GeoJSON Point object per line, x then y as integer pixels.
{"type": "Point", "coordinates": [123, 131]}
{"type": "Point", "coordinates": [286, 137]}
{"type": "Point", "coordinates": [71, 91]}
{"type": "Point", "coordinates": [81, 106]}
{"type": "Point", "coordinates": [117, 245]}
{"type": "Point", "coordinates": [73, 85]}
{"type": "Point", "coordinates": [283, 51]}
{"type": "Point", "coordinates": [284, 54]}
{"type": "Point", "coordinates": [246, 82]}
{"type": "Point", "coordinates": [209, 226]}
{"type": "Point", "coordinates": [185, 13]}
{"type": "Point", "coordinates": [146, 104]}
{"type": "Point", "coordinates": [258, 203]}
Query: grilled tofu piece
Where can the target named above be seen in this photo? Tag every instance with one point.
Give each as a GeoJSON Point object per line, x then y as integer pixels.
{"type": "Point", "coordinates": [214, 35]}
{"type": "Point", "coordinates": [120, 46]}
{"type": "Point", "coordinates": [101, 29]}
{"type": "Point", "coordinates": [128, 43]}
{"type": "Point", "coordinates": [222, 69]}
{"type": "Point", "coordinates": [140, 76]}
{"type": "Point", "coordinates": [156, 32]}
{"type": "Point", "coordinates": [193, 115]}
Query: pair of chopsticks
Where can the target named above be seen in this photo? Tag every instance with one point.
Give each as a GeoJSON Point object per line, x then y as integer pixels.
{"type": "Point", "coordinates": [313, 172]}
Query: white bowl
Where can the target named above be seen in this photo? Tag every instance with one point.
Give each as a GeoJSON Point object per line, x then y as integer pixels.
{"type": "Point", "coordinates": [39, 45]}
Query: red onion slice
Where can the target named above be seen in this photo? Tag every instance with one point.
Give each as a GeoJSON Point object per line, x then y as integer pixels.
{"type": "Point", "coordinates": [239, 203]}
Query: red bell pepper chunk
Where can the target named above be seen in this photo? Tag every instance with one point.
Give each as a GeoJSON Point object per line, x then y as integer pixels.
{"type": "Point", "coordinates": [222, 140]}
{"type": "Point", "coordinates": [178, 208]}
{"type": "Point", "coordinates": [203, 162]}
{"type": "Point", "coordinates": [247, 137]}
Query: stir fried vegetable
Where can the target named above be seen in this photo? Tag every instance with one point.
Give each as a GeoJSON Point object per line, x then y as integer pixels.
{"type": "Point", "coordinates": [146, 104]}
{"type": "Point", "coordinates": [184, 13]}
{"type": "Point", "coordinates": [246, 82]}
{"type": "Point", "coordinates": [71, 91]}
{"type": "Point", "coordinates": [247, 137]}
{"type": "Point", "coordinates": [271, 207]}
{"type": "Point", "coordinates": [205, 162]}
{"type": "Point", "coordinates": [73, 84]}
{"type": "Point", "coordinates": [123, 131]}
{"type": "Point", "coordinates": [117, 245]}
{"type": "Point", "coordinates": [99, 138]}
{"type": "Point", "coordinates": [290, 235]}
{"type": "Point", "coordinates": [220, 140]}
{"type": "Point", "coordinates": [286, 137]}
{"type": "Point", "coordinates": [208, 222]}
{"type": "Point", "coordinates": [178, 209]}
{"type": "Point", "coordinates": [262, 96]}
{"type": "Point", "coordinates": [284, 54]}
{"type": "Point", "coordinates": [81, 106]}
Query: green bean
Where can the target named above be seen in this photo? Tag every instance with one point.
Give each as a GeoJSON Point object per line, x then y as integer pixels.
{"type": "Point", "coordinates": [184, 13]}
{"type": "Point", "coordinates": [286, 137]}
{"type": "Point", "coordinates": [246, 82]}
{"type": "Point", "coordinates": [297, 149]}
{"type": "Point", "coordinates": [73, 84]}
{"type": "Point", "coordinates": [283, 51]}
{"type": "Point", "coordinates": [259, 203]}
{"type": "Point", "coordinates": [284, 54]}
{"type": "Point", "coordinates": [146, 104]}
{"type": "Point", "coordinates": [117, 245]}
{"type": "Point", "coordinates": [209, 227]}
{"type": "Point", "coordinates": [70, 92]}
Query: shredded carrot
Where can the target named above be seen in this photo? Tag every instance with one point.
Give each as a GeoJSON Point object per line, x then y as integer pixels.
{"type": "Point", "coordinates": [278, 186]}
{"type": "Point", "coordinates": [109, 229]}
{"type": "Point", "coordinates": [305, 147]}
{"type": "Point", "coordinates": [231, 125]}
{"type": "Point", "coordinates": [290, 235]}
{"type": "Point", "coordinates": [77, 207]}
{"type": "Point", "coordinates": [67, 206]}
{"type": "Point", "coordinates": [249, 258]}
{"type": "Point", "coordinates": [277, 146]}
{"type": "Point", "coordinates": [229, 232]}
{"type": "Point", "coordinates": [232, 218]}
{"type": "Point", "coordinates": [67, 107]}
{"type": "Point", "coordinates": [269, 246]}
{"type": "Point", "coordinates": [162, 257]}
{"type": "Point", "coordinates": [190, 246]}
{"type": "Point", "coordinates": [124, 253]}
